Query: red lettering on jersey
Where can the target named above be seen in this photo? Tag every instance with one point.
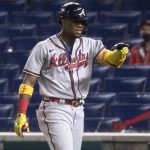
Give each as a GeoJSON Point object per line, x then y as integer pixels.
{"type": "Point", "coordinates": [54, 60]}
{"type": "Point", "coordinates": [65, 59]}
{"type": "Point", "coordinates": [61, 60]}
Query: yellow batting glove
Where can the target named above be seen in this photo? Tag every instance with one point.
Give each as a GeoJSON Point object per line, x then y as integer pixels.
{"type": "Point", "coordinates": [118, 55]}
{"type": "Point", "coordinates": [20, 124]}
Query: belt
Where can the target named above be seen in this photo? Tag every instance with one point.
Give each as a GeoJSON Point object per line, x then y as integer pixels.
{"type": "Point", "coordinates": [72, 102]}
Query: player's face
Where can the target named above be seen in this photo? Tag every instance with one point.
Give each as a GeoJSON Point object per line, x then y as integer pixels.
{"type": "Point", "coordinates": [74, 28]}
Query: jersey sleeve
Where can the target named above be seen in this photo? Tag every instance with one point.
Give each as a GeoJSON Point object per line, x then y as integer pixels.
{"type": "Point", "coordinates": [35, 61]}
{"type": "Point", "coordinates": [97, 46]}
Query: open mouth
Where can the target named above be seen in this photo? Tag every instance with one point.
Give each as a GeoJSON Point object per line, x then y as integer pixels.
{"type": "Point", "coordinates": [79, 31]}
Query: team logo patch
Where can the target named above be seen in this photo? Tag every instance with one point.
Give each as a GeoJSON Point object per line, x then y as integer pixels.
{"type": "Point", "coordinates": [82, 13]}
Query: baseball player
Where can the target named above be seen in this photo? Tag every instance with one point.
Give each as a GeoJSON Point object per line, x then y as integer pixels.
{"type": "Point", "coordinates": [62, 64]}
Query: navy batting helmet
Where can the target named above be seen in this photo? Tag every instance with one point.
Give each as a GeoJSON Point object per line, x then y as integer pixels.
{"type": "Point", "coordinates": [74, 11]}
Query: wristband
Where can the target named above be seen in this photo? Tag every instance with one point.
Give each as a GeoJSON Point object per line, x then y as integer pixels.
{"type": "Point", "coordinates": [23, 105]}
{"type": "Point", "coordinates": [26, 89]}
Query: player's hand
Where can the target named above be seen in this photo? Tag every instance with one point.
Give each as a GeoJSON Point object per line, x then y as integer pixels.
{"type": "Point", "coordinates": [118, 55]}
{"type": "Point", "coordinates": [122, 47]}
{"type": "Point", "coordinates": [119, 46]}
{"type": "Point", "coordinates": [20, 124]}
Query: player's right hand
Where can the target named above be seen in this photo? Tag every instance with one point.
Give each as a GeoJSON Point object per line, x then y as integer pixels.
{"type": "Point", "coordinates": [20, 124]}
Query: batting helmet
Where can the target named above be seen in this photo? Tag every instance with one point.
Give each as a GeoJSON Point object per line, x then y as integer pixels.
{"type": "Point", "coordinates": [73, 11]}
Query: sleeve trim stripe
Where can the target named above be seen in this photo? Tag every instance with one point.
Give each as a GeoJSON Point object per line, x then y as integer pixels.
{"type": "Point", "coordinates": [30, 72]}
{"type": "Point", "coordinates": [98, 52]}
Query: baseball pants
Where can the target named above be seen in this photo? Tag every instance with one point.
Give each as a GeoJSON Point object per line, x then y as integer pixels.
{"type": "Point", "coordinates": [61, 124]}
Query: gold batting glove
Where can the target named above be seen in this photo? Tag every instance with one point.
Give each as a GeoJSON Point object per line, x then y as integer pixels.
{"type": "Point", "coordinates": [118, 54]}
{"type": "Point", "coordinates": [20, 124]}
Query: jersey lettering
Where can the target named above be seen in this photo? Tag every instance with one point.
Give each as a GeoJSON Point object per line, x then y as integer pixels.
{"type": "Point", "coordinates": [62, 60]}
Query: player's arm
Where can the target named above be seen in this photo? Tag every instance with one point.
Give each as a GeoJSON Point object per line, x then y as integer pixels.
{"type": "Point", "coordinates": [25, 92]}
{"type": "Point", "coordinates": [114, 57]}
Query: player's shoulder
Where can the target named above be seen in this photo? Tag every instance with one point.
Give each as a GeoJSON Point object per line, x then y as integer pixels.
{"type": "Point", "coordinates": [46, 41]}
{"type": "Point", "coordinates": [91, 39]}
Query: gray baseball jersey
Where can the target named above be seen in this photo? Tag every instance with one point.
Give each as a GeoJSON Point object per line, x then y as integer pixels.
{"type": "Point", "coordinates": [58, 76]}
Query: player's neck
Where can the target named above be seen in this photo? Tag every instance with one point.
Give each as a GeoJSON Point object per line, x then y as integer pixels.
{"type": "Point", "coordinates": [69, 40]}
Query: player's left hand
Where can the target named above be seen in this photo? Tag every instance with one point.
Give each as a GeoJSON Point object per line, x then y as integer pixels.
{"type": "Point", "coordinates": [118, 55]}
{"type": "Point", "coordinates": [20, 124]}
{"type": "Point", "coordinates": [122, 47]}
